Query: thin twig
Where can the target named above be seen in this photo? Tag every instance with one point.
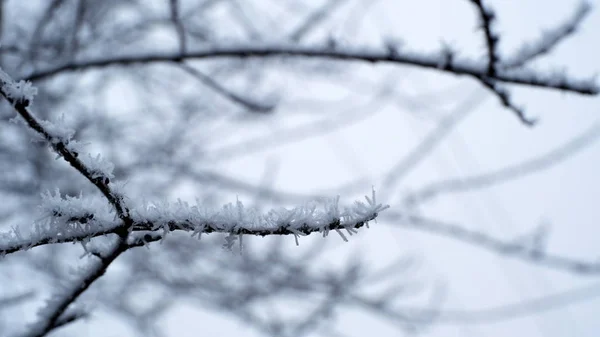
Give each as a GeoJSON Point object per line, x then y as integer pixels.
{"type": "Point", "coordinates": [52, 314]}
{"type": "Point", "coordinates": [513, 249]}
{"type": "Point", "coordinates": [237, 98]}
{"type": "Point", "coordinates": [314, 19]}
{"type": "Point", "coordinates": [512, 172]}
{"type": "Point", "coordinates": [495, 314]}
{"type": "Point", "coordinates": [504, 97]}
{"type": "Point", "coordinates": [487, 18]}
{"type": "Point", "coordinates": [519, 309]}
{"type": "Point", "coordinates": [9, 301]}
{"type": "Point", "coordinates": [530, 51]}
{"type": "Point", "coordinates": [179, 28]}
{"type": "Point", "coordinates": [69, 318]}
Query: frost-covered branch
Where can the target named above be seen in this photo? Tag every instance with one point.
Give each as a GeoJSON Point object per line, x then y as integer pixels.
{"type": "Point", "coordinates": [70, 219]}
{"type": "Point", "coordinates": [97, 171]}
{"type": "Point", "coordinates": [235, 219]}
{"type": "Point", "coordinates": [74, 220]}
{"type": "Point", "coordinates": [432, 60]}
{"type": "Point", "coordinates": [533, 252]}
{"type": "Point", "coordinates": [13, 242]}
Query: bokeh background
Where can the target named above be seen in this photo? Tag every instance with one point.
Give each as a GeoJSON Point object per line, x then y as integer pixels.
{"type": "Point", "coordinates": [279, 131]}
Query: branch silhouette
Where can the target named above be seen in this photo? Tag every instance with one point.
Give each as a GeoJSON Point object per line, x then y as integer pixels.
{"type": "Point", "coordinates": [432, 60]}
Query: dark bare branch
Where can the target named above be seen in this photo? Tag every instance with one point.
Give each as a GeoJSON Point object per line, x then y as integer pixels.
{"type": "Point", "coordinates": [418, 59]}
{"type": "Point", "coordinates": [504, 97]}
{"type": "Point", "coordinates": [248, 103]}
{"type": "Point", "coordinates": [487, 17]}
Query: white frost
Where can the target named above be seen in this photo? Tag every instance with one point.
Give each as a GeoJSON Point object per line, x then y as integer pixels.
{"type": "Point", "coordinates": [236, 218]}
{"type": "Point", "coordinates": [78, 219]}
{"type": "Point", "coordinates": [98, 166]}
{"type": "Point", "coordinates": [17, 91]}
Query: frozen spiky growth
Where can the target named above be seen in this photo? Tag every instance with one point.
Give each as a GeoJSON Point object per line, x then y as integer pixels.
{"type": "Point", "coordinates": [19, 92]}
{"type": "Point", "coordinates": [58, 131]}
{"type": "Point", "coordinates": [61, 219]}
{"type": "Point", "coordinates": [62, 208]}
{"type": "Point", "coordinates": [79, 219]}
{"type": "Point", "coordinates": [236, 219]}
{"type": "Point", "coordinates": [64, 217]}
{"type": "Point", "coordinates": [98, 166]}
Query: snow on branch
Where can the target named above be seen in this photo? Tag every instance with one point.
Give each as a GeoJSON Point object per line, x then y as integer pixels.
{"type": "Point", "coordinates": [98, 172]}
{"type": "Point", "coordinates": [95, 169]}
{"type": "Point", "coordinates": [79, 219]}
{"type": "Point", "coordinates": [21, 92]}
{"type": "Point", "coordinates": [432, 60]}
{"type": "Point", "coordinates": [72, 219]}
{"type": "Point", "coordinates": [63, 219]}
{"type": "Point", "coordinates": [235, 219]}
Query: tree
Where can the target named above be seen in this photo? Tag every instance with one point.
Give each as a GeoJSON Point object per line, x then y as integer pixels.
{"type": "Point", "coordinates": [171, 93]}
